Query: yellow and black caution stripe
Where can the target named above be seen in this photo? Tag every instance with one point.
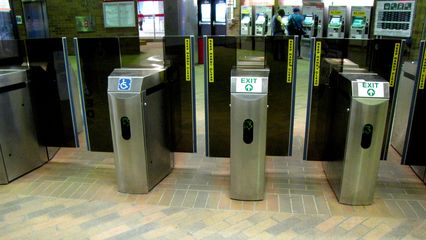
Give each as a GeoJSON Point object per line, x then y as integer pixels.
{"type": "Point", "coordinates": [187, 59]}
{"type": "Point", "coordinates": [210, 59]}
{"type": "Point", "coordinates": [317, 64]}
{"type": "Point", "coordinates": [423, 72]}
{"type": "Point", "coordinates": [290, 60]}
{"type": "Point", "coordinates": [395, 62]}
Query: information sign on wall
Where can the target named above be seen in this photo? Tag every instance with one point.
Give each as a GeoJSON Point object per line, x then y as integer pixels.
{"type": "Point", "coordinates": [119, 14]}
{"type": "Point", "coordinates": [394, 18]}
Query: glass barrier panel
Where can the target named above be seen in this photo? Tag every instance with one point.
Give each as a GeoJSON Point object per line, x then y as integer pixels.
{"type": "Point", "coordinates": [97, 58]}
{"type": "Point", "coordinates": [178, 56]}
{"type": "Point", "coordinates": [280, 59]}
{"type": "Point", "coordinates": [140, 53]}
{"type": "Point", "coordinates": [220, 58]}
{"type": "Point", "coordinates": [51, 93]}
{"type": "Point", "coordinates": [328, 60]}
{"type": "Point", "coordinates": [416, 129]}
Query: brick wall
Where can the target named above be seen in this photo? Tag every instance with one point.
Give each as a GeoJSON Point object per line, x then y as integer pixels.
{"type": "Point", "coordinates": [61, 18]}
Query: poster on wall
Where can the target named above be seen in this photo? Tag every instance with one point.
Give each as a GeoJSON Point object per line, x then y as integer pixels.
{"type": "Point", "coordinates": [257, 2]}
{"type": "Point", "coordinates": [119, 14]}
{"type": "Point", "coordinates": [394, 18]}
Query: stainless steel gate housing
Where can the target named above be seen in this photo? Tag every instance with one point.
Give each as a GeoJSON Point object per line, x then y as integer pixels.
{"type": "Point", "coordinates": [137, 103]}
{"type": "Point", "coordinates": [249, 96]}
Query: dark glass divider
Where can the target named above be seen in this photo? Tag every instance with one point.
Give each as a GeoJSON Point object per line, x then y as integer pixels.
{"type": "Point", "coordinates": [415, 141]}
{"type": "Point", "coordinates": [96, 59]}
{"type": "Point", "coordinates": [51, 94]}
{"type": "Point", "coordinates": [179, 60]}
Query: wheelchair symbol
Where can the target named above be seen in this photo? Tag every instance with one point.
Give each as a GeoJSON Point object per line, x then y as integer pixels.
{"type": "Point", "coordinates": [124, 84]}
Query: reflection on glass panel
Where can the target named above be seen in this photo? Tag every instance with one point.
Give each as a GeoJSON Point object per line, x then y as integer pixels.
{"type": "Point", "coordinates": [12, 53]}
{"type": "Point", "coordinates": [98, 58]}
{"type": "Point", "coordinates": [135, 53]}
{"type": "Point", "coordinates": [151, 18]}
{"type": "Point", "coordinates": [151, 25]}
{"type": "Point", "coordinates": [48, 84]}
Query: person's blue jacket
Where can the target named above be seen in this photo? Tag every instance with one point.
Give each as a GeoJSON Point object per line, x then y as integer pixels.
{"type": "Point", "coordinates": [298, 19]}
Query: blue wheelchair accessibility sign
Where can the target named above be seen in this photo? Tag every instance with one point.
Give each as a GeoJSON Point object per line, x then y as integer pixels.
{"type": "Point", "coordinates": [124, 84]}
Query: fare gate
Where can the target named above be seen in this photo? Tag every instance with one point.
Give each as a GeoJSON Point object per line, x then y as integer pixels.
{"type": "Point", "coordinates": [222, 53]}
{"type": "Point", "coordinates": [98, 57]}
{"type": "Point", "coordinates": [331, 56]}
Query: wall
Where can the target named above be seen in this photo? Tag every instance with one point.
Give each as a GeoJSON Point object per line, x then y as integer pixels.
{"type": "Point", "coordinates": [61, 17]}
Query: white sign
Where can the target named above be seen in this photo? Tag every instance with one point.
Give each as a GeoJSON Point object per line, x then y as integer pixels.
{"type": "Point", "coordinates": [249, 84]}
{"type": "Point", "coordinates": [119, 14]}
{"type": "Point", "coordinates": [4, 6]}
{"type": "Point", "coordinates": [371, 89]}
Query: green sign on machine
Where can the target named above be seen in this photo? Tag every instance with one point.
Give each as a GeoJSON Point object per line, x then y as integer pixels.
{"type": "Point", "coordinates": [370, 89]}
{"type": "Point", "coordinates": [248, 84]}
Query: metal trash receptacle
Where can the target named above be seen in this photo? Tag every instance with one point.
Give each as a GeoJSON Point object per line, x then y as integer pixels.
{"type": "Point", "coordinates": [138, 117]}
{"type": "Point", "coordinates": [362, 104]}
{"type": "Point", "coordinates": [249, 95]}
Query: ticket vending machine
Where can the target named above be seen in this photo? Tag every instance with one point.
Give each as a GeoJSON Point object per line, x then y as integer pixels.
{"type": "Point", "coordinates": [263, 17]}
{"type": "Point", "coordinates": [309, 25]}
{"type": "Point", "coordinates": [360, 22]}
{"type": "Point", "coordinates": [313, 23]}
{"type": "Point", "coordinates": [336, 23]}
{"type": "Point", "coordinates": [204, 24]}
{"type": "Point", "coordinates": [261, 24]}
{"type": "Point", "coordinates": [246, 22]}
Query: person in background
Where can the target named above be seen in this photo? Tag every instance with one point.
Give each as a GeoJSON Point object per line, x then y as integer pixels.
{"type": "Point", "coordinates": [295, 27]}
{"type": "Point", "coordinates": [277, 23]}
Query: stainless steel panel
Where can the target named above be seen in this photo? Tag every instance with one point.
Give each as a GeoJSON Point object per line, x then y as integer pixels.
{"type": "Point", "coordinates": [18, 141]}
{"type": "Point", "coordinates": [10, 77]}
{"type": "Point", "coordinates": [130, 155]}
{"type": "Point", "coordinates": [248, 157]}
{"type": "Point", "coordinates": [3, 173]}
{"type": "Point", "coordinates": [248, 160]}
{"type": "Point", "coordinates": [403, 106]}
{"type": "Point", "coordinates": [157, 152]}
{"type": "Point", "coordinates": [354, 179]}
{"type": "Point", "coordinates": [143, 158]}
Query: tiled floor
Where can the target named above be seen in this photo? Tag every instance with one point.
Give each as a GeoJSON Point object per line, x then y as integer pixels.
{"type": "Point", "coordinates": [74, 197]}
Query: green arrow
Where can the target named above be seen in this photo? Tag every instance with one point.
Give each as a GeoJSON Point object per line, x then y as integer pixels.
{"type": "Point", "coordinates": [249, 87]}
{"type": "Point", "coordinates": [371, 92]}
